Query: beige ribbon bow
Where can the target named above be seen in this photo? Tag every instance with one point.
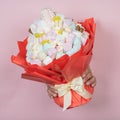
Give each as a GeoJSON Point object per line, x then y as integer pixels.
{"type": "Point", "coordinates": [65, 90]}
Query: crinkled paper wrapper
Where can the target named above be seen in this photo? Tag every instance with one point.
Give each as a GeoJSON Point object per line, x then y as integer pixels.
{"type": "Point", "coordinates": [61, 70]}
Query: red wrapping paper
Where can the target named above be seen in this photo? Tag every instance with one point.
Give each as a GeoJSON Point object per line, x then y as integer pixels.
{"type": "Point", "coordinates": [61, 70]}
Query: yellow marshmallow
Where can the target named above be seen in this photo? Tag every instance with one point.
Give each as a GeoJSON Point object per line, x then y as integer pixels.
{"type": "Point", "coordinates": [56, 18]}
{"type": "Point", "coordinates": [60, 31]}
{"type": "Point", "coordinates": [39, 35]}
{"type": "Point", "coordinates": [45, 41]}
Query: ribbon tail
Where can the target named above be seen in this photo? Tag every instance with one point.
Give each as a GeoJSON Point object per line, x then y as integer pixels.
{"type": "Point", "coordinates": [85, 94]}
{"type": "Point", "coordinates": [67, 100]}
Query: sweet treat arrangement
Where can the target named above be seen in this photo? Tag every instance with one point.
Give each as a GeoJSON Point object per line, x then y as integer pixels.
{"type": "Point", "coordinates": [53, 36]}
{"type": "Point", "coordinates": [57, 51]}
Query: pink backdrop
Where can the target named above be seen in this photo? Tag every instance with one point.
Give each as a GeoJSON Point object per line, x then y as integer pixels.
{"type": "Point", "coordinates": [27, 100]}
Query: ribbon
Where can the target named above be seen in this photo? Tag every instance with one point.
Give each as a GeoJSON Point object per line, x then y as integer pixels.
{"type": "Point", "coordinates": [65, 90]}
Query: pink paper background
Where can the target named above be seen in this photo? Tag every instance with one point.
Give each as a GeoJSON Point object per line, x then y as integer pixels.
{"type": "Point", "coordinates": [27, 100]}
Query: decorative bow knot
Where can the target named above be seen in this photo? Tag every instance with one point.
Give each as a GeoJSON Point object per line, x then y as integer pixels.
{"type": "Point", "coordinates": [65, 90]}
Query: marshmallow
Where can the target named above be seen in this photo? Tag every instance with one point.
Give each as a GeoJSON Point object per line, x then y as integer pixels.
{"type": "Point", "coordinates": [35, 54]}
{"type": "Point", "coordinates": [47, 60]}
{"type": "Point", "coordinates": [77, 33]}
{"type": "Point", "coordinates": [67, 22]}
{"type": "Point", "coordinates": [59, 54]}
{"type": "Point", "coordinates": [39, 35]}
{"type": "Point", "coordinates": [53, 36]}
{"type": "Point", "coordinates": [53, 44]}
{"type": "Point", "coordinates": [67, 46]}
{"type": "Point", "coordinates": [47, 14]}
{"type": "Point", "coordinates": [76, 47]}
{"type": "Point", "coordinates": [84, 37]}
{"type": "Point", "coordinates": [33, 28]}
{"type": "Point", "coordinates": [46, 47]}
{"type": "Point", "coordinates": [58, 21]}
{"type": "Point", "coordinates": [72, 26]}
{"type": "Point", "coordinates": [77, 44]}
{"type": "Point", "coordinates": [39, 48]}
{"type": "Point", "coordinates": [59, 48]}
{"type": "Point", "coordinates": [42, 56]}
{"type": "Point", "coordinates": [69, 42]}
{"type": "Point", "coordinates": [71, 52]}
{"type": "Point", "coordinates": [36, 61]}
{"type": "Point", "coordinates": [52, 52]}
{"type": "Point", "coordinates": [29, 54]}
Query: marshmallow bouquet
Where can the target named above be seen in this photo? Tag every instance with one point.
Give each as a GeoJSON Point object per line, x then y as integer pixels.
{"type": "Point", "coordinates": [57, 51]}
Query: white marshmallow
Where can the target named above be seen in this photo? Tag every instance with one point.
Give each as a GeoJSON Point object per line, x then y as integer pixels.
{"type": "Point", "coordinates": [59, 54]}
{"type": "Point", "coordinates": [42, 56]}
{"type": "Point", "coordinates": [47, 60]}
